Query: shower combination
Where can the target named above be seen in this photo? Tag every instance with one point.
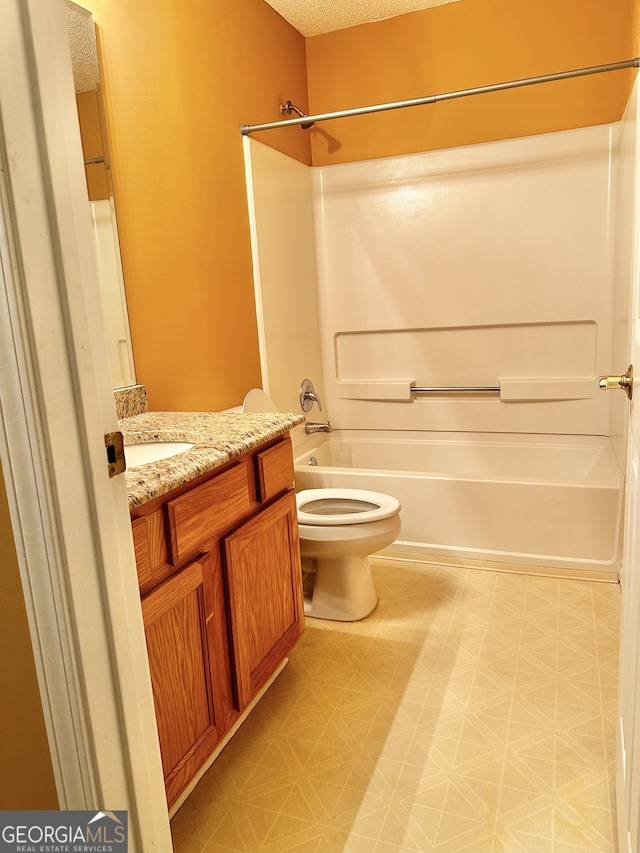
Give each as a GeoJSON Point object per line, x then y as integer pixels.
{"type": "Point", "coordinates": [289, 108]}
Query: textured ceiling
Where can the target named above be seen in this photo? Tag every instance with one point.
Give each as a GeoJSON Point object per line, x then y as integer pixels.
{"type": "Point", "coordinates": [313, 17]}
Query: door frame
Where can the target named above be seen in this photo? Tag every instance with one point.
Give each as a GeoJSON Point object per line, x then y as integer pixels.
{"type": "Point", "coordinates": [70, 520]}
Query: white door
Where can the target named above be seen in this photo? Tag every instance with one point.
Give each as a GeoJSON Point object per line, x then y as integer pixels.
{"type": "Point", "coordinates": [70, 520]}
{"type": "Point", "coordinates": [628, 734]}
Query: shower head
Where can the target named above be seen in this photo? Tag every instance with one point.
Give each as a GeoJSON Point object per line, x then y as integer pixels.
{"type": "Point", "coordinates": [289, 108]}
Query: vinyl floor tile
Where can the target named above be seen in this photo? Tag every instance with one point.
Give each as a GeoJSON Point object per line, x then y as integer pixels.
{"type": "Point", "coordinates": [472, 712]}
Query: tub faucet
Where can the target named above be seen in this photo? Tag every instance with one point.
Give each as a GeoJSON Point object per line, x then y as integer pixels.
{"type": "Point", "coordinates": [311, 429]}
{"type": "Point", "coordinates": [308, 396]}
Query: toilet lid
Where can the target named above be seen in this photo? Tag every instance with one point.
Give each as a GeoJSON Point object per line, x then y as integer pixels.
{"type": "Point", "coordinates": [327, 507]}
{"type": "Point", "coordinates": [257, 401]}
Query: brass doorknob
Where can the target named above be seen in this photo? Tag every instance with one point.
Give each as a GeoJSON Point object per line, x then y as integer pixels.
{"type": "Point", "coordinates": [608, 383]}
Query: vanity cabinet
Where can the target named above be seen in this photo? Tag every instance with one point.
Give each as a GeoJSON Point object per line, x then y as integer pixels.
{"type": "Point", "coordinates": [221, 589]}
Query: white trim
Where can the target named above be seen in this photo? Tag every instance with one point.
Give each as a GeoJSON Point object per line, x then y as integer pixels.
{"type": "Point", "coordinates": [23, 454]}
{"type": "Point", "coordinates": [421, 557]}
{"type": "Point", "coordinates": [255, 253]}
{"type": "Point", "coordinates": [71, 522]}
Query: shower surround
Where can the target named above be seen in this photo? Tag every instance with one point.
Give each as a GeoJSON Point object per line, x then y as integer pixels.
{"type": "Point", "coordinates": [491, 265]}
{"type": "Point", "coordinates": [502, 266]}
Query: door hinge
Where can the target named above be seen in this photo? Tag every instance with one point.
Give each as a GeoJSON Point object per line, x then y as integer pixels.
{"type": "Point", "coordinates": [116, 463]}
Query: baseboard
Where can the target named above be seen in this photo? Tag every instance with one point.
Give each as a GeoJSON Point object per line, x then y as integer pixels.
{"type": "Point", "coordinates": [595, 576]}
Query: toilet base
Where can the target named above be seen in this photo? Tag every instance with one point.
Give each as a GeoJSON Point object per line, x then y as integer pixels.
{"type": "Point", "coordinates": [340, 588]}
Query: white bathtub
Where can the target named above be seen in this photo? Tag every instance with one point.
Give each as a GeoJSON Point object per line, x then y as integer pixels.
{"type": "Point", "coordinates": [546, 501]}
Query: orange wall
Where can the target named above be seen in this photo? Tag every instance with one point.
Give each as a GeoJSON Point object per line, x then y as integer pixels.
{"type": "Point", "coordinates": [464, 45]}
{"type": "Point", "coordinates": [26, 773]}
{"type": "Point", "coordinates": [179, 80]}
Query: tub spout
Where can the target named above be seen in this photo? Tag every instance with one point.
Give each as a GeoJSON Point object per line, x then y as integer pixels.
{"type": "Point", "coordinates": [310, 428]}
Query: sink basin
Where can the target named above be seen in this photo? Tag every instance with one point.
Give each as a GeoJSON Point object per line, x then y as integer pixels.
{"type": "Point", "coordinates": [153, 451]}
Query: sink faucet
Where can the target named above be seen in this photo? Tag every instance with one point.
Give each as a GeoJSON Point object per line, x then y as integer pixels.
{"type": "Point", "coordinates": [311, 429]}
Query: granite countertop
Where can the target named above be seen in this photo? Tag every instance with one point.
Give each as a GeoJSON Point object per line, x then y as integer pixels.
{"type": "Point", "coordinates": [219, 437]}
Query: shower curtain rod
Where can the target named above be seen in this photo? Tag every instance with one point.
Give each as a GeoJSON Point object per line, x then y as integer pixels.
{"type": "Point", "coordinates": [246, 129]}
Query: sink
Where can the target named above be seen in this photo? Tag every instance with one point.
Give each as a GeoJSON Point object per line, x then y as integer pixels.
{"type": "Point", "coordinates": [153, 451]}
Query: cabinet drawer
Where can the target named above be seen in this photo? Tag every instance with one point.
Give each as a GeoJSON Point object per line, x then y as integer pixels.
{"type": "Point", "coordinates": [208, 510]}
{"type": "Point", "coordinates": [274, 470]}
{"type": "Point", "coordinates": [149, 542]}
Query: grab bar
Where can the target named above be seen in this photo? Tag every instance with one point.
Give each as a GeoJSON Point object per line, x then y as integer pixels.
{"type": "Point", "coordinates": [509, 389]}
{"type": "Point", "coordinates": [455, 389]}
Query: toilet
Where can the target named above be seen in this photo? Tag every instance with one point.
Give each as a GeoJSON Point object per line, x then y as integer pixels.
{"type": "Point", "coordinates": [338, 530]}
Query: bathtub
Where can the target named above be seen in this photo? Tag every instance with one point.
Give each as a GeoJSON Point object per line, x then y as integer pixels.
{"type": "Point", "coordinates": [527, 500]}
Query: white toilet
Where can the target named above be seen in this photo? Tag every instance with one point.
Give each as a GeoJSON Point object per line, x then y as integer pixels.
{"type": "Point", "coordinates": [338, 530]}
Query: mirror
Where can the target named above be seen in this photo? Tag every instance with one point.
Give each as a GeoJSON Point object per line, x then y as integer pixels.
{"type": "Point", "coordinates": [86, 75]}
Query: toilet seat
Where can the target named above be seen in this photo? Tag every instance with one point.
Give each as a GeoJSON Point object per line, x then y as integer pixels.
{"type": "Point", "coordinates": [334, 507]}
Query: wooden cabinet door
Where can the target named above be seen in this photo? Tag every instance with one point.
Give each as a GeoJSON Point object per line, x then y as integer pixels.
{"type": "Point", "coordinates": [175, 621]}
{"type": "Point", "coordinates": [264, 583]}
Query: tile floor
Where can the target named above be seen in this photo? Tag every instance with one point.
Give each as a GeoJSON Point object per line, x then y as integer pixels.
{"type": "Point", "coordinates": [472, 712]}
